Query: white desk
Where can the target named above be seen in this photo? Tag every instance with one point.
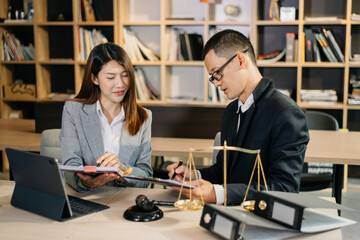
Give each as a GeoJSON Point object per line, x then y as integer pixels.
{"type": "Point", "coordinates": [109, 224]}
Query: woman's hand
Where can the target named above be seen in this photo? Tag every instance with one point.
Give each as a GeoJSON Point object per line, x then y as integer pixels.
{"type": "Point", "coordinates": [110, 159]}
{"type": "Point", "coordinates": [91, 181]}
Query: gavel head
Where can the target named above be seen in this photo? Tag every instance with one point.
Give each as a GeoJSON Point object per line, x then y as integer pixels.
{"type": "Point", "coordinates": [144, 203]}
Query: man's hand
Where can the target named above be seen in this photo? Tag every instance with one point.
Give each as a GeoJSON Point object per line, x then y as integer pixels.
{"type": "Point", "coordinates": [180, 172]}
{"type": "Point", "coordinates": [204, 188]}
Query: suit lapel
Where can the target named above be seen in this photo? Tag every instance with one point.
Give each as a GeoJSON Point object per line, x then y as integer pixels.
{"type": "Point", "coordinates": [92, 130]}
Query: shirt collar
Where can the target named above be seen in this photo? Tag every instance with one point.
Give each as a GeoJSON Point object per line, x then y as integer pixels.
{"type": "Point", "coordinates": [120, 116]}
{"type": "Point", "coordinates": [245, 106]}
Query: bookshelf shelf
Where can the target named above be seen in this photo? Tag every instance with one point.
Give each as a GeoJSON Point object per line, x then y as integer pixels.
{"type": "Point", "coordinates": [16, 23]}
{"type": "Point", "coordinates": [60, 69]}
{"type": "Point", "coordinates": [185, 63]}
{"type": "Point", "coordinates": [43, 24]}
{"type": "Point", "coordinates": [275, 23]}
{"type": "Point", "coordinates": [184, 23]}
{"type": "Point", "coordinates": [337, 105]}
{"type": "Point", "coordinates": [146, 63]}
{"type": "Point", "coordinates": [19, 100]}
{"type": "Point", "coordinates": [57, 62]}
{"type": "Point", "coordinates": [150, 23]}
{"type": "Point", "coordinates": [338, 22]}
{"type": "Point", "coordinates": [353, 107]}
{"type": "Point", "coordinates": [22, 62]}
{"type": "Point", "coordinates": [102, 23]}
{"type": "Point", "coordinates": [323, 65]}
{"type": "Point", "coordinates": [278, 64]}
{"type": "Point", "coordinates": [229, 23]}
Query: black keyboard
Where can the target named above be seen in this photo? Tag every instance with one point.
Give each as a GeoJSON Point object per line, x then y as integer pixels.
{"type": "Point", "coordinates": [82, 207]}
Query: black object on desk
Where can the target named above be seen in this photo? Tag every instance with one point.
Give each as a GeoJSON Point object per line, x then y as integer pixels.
{"type": "Point", "coordinates": [145, 210]}
{"type": "Point", "coordinates": [40, 189]}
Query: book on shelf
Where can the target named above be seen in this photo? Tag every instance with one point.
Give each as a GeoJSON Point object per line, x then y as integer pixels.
{"type": "Point", "coordinates": [355, 17]}
{"type": "Point", "coordinates": [335, 49]}
{"type": "Point", "coordinates": [325, 48]}
{"type": "Point", "coordinates": [216, 95]}
{"type": "Point", "coordinates": [89, 11]}
{"type": "Point", "coordinates": [183, 46]}
{"type": "Point", "coordinates": [325, 40]}
{"type": "Point", "coordinates": [318, 95]}
{"type": "Point", "coordinates": [137, 50]}
{"type": "Point", "coordinates": [88, 39]}
{"type": "Point", "coordinates": [95, 10]}
{"type": "Point", "coordinates": [290, 47]}
{"type": "Point", "coordinates": [144, 90]}
{"type": "Point", "coordinates": [271, 57]}
{"type": "Point", "coordinates": [309, 45]}
{"type": "Point", "coordinates": [14, 50]}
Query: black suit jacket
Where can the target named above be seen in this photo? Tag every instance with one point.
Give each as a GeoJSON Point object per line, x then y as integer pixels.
{"type": "Point", "coordinates": [275, 125]}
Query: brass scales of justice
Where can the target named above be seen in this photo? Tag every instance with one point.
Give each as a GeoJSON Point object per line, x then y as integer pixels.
{"type": "Point", "coordinates": [192, 204]}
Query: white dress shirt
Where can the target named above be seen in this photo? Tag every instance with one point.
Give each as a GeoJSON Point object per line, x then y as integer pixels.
{"type": "Point", "coordinates": [111, 133]}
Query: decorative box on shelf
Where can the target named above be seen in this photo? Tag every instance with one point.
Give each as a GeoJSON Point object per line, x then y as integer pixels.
{"type": "Point", "coordinates": [16, 91]}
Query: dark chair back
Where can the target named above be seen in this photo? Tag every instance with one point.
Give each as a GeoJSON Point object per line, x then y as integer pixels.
{"type": "Point", "coordinates": [316, 181]}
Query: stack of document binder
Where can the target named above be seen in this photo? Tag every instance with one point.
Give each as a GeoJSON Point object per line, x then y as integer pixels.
{"type": "Point", "coordinates": [277, 215]}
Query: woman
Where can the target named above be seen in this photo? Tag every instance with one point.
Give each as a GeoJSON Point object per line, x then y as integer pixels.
{"type": "Point", "coordinates": [104, 125]}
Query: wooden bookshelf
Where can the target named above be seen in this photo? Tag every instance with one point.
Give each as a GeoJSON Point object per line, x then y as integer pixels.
{"type": "Point", "coordinates": [58, 67]}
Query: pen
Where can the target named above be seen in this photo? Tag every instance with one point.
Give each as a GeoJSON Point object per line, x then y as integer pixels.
{"type": "Point", "coordinates": [178, 165]}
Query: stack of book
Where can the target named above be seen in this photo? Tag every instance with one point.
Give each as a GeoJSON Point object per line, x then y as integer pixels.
{"type": "Point", "coordinates": [144, 90]}
{"type": "Point", "coordinates": [322, 46]}
{"type": "Point", "coordinates": [354, 96]}
{"type": "Point", "coordinates": [14, 50]}
{"type": "Point", "coordinates": [137, 50]}
{"type": "Point", "coordinates": [318, 96]}
{"type": "Point", "coordinates": [183, 46]}
{"type": "Point", "coordinates": [88, 40]}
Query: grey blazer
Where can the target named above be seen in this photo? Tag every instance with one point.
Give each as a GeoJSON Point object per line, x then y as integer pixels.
{"type": "Point", "coordinates": [82, 144]}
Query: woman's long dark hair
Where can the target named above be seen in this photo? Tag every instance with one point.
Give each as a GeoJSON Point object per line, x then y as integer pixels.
{"type": "Point", "coordinates": [135, 115]}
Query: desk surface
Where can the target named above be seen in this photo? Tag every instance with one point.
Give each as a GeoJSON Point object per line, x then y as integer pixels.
{"type": "Point", "coordinates": [324, 146]}
{"type": "Point", "coordinates": [109, 224]}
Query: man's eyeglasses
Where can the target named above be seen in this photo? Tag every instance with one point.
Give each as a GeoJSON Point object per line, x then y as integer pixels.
{"type": "Point", "coordinates": [217, 75]}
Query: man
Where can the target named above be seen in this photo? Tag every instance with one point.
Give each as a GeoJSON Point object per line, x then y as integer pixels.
{"type": "Point", "coordinates": [261, 118]}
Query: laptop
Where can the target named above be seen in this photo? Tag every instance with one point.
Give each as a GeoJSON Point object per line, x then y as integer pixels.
{"type": "Point", "coordinates": [39, 188]}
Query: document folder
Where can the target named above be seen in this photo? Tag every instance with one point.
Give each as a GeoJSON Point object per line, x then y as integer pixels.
{"type": "Point", "coordinates": [236, 223]}
{"type": "Point", "coordinates": [284, 216]}
{"type": "Point", "coordinates": [296, 211]}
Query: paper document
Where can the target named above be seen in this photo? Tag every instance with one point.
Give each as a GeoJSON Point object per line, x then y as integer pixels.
{"type": "Point", "coordinates": [93, 170]}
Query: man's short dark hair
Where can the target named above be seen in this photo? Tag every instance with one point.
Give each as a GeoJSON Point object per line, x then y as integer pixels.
{"type": "Point", "coordinates": [227, 43]}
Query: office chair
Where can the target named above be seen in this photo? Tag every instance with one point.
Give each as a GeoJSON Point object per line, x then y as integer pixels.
{"type": "Point", "coordinates": [50, 143]}
{"type": "Point", "coordinates": [316, 181]}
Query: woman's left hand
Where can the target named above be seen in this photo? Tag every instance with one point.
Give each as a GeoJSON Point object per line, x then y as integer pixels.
{"type": "Point", "coordinates": [110, 159]}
